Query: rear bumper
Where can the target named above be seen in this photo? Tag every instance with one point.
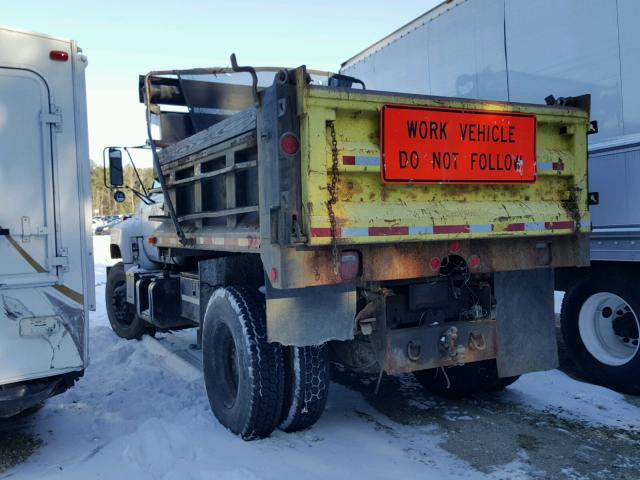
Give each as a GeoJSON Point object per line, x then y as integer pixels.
{"type": "Point", "coordinates": [18, 397]}
{"type": "Point", "coordinates": [393, 261]}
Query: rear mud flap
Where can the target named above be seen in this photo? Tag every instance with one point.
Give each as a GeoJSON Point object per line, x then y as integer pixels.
{"type": "Point", "coordinates": [310, 316]}
{"type": "Point", "coordinates": [526, 335]}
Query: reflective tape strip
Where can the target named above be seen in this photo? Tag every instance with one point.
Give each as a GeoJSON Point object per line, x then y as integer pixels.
{"type": "Point", "coordinates": [481, 228]}
{"type": "Point", "coordinates": [564, 225]}
{"type": "Point", "coordinates": [426, 230]}
{"type": "Point", "coordinates": [534, 226]}
{"type": "Point", "coordinates": [438, 229]}
{"type": "Point", "coordinates": [320, 232]}
{"type": "Point", "coordinates": [355, 232]}
{"type": "Point", "coordinates": [557, 166]}
{"type": "Point", "coordinates": [361, 161]}
{"type": "Point", "coordinates": [242, 242]}
{"type": "Point", "coordinates": [515, 227]}
{"type": "Point", "coordinates": [380, 231]}
{"type": "Point", "coordinates": [442, 229]}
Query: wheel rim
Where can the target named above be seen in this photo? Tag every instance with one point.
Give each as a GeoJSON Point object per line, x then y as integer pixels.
{"type": "Point", "coordinates": [609, 328]}
{"type": "Point", "coordinates": [226, 362]}
{"type": "Point", "coordinates": [121, 308]}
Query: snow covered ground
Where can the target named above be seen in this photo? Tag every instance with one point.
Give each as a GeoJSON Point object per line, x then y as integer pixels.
{"type": "Point", "coordinates": [132, 417]}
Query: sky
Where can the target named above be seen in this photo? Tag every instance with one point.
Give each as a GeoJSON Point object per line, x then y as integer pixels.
{"type": "Point", "coordinates": [123, 39]}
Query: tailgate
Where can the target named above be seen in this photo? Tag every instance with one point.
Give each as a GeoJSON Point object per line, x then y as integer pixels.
{"type": "Point", "coordinates": [545, 194]}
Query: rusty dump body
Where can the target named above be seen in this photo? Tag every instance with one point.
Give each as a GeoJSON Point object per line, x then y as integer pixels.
{"type": "Point", "coordinates": [465, 255]}
{"type": "Point", "coordinates": [215, 179]}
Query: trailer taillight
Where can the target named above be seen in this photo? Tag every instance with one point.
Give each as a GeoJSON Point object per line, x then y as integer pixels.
{"type": "Point", "coordinates": [349, 265]}
{"type": "Point", "coordinates": [58, 55]}
{"type": "Point", "coordinates": [289, 143]}
{"type": "Point", "coordinates": [434, 264]}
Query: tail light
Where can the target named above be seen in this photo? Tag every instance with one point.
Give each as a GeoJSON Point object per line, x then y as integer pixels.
{"type": "Point", "coordinates": [289, 144]}
{"type": "Point", "coordinates": [349, 264]}
{"type": "Point", "coordinates": [58, 55]}
{"type": "Point", "coordinates": [434, 263]}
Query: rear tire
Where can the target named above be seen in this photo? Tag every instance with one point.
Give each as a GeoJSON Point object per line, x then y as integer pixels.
{"type": "Point", "coordinates": [600, 328]}
{"type": "Point", "coordinates": [122, 315]}
{"type": "Point", "coordinates": [306, 386]}
{"type": "Point", "coordinates": [464, 380]}
{"type": "Point", "coordinates": [243, 373]}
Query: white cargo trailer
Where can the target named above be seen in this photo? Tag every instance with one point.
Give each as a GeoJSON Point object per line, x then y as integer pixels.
{"type": "Point", "coordinates": [523, 51]}
{"type": "Point", "coordinates": [46, 262]}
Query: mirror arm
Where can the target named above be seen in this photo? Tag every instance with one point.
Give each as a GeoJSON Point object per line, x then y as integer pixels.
{"type": "Point", "coordinates": [144, 189]}
{"type": "Point", "coordinates": [143, 198]}
{"type": "Point", "coordinates": [104, 168]}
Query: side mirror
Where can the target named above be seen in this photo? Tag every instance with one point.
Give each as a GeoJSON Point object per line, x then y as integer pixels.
{"type": "Point", "coordinates": [116, 174]}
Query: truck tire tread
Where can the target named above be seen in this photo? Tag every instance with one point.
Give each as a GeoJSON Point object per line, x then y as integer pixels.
{"type": "Point", "coordinates": [258, 403]}
{"type": "Point", "coordinates": [136, 328]}
{"type": "Point", "coordinates": [306, 386]}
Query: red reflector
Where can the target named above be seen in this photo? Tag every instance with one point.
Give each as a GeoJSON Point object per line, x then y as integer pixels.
{"type": "Point", "coordinates": [474, 261]}
{"type": "Point", "coordinates": [273, 275]}
{"type": "Point", "coordinates": [434, 263]}
{"type": "Point", "coordinates": [454, 246]}
{"type": "Point", "coordinates": [152, 240]}
{"type": "Point", "coordinates": [289, 144]}
{"type": "Point", "coordinates": [349, 265]}
{"type": "Point", "coordinates": [58, 55]}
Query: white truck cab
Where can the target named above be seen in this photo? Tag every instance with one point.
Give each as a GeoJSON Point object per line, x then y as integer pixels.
{"type": "Point", "coordinates": [46, 267]}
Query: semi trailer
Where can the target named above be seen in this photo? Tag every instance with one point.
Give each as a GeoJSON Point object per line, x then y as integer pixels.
{"type": "Point", "coordinates": [300, 218]}
{"type": "Point", "coordinates": [46, 272]}
{"type": "Point", "coordinates": [522, 51]}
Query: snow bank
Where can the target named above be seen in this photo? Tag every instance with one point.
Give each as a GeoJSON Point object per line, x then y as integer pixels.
{"type": "Point", "coordinates": [131, 417]}
{"type": "Point", "coordinates": [557, 393]}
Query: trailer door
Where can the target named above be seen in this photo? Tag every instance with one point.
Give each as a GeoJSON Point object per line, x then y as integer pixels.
{"type": "Point", "coordinates": [27, 226]}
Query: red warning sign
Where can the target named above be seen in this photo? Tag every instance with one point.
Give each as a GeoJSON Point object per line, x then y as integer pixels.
{"type": "Point", "coordinates": [433, 145]}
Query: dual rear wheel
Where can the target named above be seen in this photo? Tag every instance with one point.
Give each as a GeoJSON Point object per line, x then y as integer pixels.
{"type": "Point", "coordinates": [255, 386]}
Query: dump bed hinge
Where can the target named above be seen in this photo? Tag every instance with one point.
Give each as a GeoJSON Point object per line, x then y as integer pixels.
{"type": "Point", "coordinates": [54, 118]}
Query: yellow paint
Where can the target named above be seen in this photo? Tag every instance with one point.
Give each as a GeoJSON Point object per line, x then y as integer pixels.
{"type": "Point", "coordinates": [365, 201]}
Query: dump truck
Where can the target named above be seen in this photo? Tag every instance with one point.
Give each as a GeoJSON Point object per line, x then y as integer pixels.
{"type": "Point", "coordinates": [46, 272]}
{"type": "Point", "coordinates": [499, 50]}
{"type": "Point", "coordinates": [300, 218]}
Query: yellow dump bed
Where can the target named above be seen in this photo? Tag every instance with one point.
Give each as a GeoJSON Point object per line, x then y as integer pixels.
{"type": "Point", "coordinates": [370, 210]}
